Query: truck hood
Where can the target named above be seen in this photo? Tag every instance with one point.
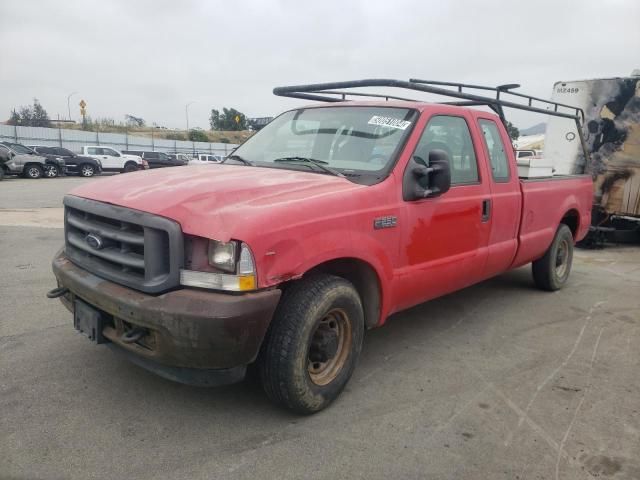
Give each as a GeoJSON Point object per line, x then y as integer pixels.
{"type": "Point", "coordinates": [221, 201]}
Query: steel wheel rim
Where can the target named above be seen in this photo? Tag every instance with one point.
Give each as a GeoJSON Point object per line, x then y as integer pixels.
{"type": "Point", "coordinates": [33, 172]}
{"type": "Point", "coordinates": [87, 171]}
{"type": "Point", "coordinates": [562, 258]}
{"type": "Point", "coordinates": [51, 172]}
{"type": "Point", "coordinates": [337, 321]}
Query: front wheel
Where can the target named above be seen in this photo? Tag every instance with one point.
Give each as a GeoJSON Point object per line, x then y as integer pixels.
{"type": "Point", "coordinates": [87, 170]}
{"type": "Point", "coordinates": [130, 167]}
{"type": "Point", "coordinates": [51, 171]}
{"type": "Point", "coordinates": [33, 171]}
{"type": "Point", "coordinates": [551, 272]}
{"type": "Point", "coordinates": [313, 343]}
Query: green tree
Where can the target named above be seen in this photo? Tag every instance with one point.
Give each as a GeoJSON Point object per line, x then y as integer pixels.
{"type": "Point", "coordinates": [31, 116]}
{"type": "Point", "coordinates": [513, 131]}
{"type": "Point", "coordinates": [198, 136]}
{"type": "Point", "coordinates": [229, 120]}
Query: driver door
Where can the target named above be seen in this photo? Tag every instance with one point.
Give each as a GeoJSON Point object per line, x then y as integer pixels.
{"type": "Point", "coordinates": [446, 237]}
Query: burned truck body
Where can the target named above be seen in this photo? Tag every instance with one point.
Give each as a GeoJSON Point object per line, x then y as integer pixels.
{"type": "Point", "coordinates": [612, 134]}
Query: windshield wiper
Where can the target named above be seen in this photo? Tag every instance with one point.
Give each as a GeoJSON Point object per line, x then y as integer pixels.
{"type": "Point", "coordinates": [321, 164]}
{"type": "Point", "coordinates": [240, 159]}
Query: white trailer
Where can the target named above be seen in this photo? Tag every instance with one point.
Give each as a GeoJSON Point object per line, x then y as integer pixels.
{"type": "Point", "coordinates": [612, 135]}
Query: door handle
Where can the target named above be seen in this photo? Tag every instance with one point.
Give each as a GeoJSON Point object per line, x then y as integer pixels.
{"type": "Point", "coordinates": [486, 210]}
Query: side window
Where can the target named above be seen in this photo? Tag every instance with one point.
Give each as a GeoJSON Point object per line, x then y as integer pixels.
{"type": "Point", "coordinates": [108, 151]}
{"type": "Point", "coordinates": [495, 147]}
{"type": "Point", "coordinates": [452, 135]}
{"type": "Point", "coordinates": [94, 151]}
{"type": "Point", "coordinates": [525, 154]}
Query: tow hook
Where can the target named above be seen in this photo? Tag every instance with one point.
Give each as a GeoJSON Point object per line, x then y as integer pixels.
{"type": "Point", "coordinates": [57, 292]}
{"type": "Point", "coordinates": [134, 335]}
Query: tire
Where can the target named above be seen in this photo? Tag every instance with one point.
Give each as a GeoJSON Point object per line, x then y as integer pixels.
{"type": "Point", "coordinates": [551, 272]}
{"type": "Point", "coordinates": [313, 343]}
{"type": "Point", "coordinates": [87, 170]}
{"type": "Point", "coordinates": [33, 171]}
{"type": "Point", "coordinates": [130, 167]}
{"type": "Point", "coordinates": [51, 171]}
{"type": "Point", "coordinates": [1, 174]}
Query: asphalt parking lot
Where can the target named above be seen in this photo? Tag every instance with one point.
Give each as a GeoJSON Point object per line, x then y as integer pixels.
{"type": "Point", "coordinates": [498, 381]}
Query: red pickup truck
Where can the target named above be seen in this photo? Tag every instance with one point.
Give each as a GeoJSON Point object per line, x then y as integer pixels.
{"type": "Point", "coordinates": [323, 224]}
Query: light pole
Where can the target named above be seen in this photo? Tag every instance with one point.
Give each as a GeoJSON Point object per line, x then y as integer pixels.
{"type": "Point", "coordinates": [186, 111]}
{"type": "Point", "coordinates": [68, 105]}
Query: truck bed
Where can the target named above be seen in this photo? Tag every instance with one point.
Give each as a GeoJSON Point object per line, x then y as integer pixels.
{"type": "Point", "coordinates": [545, 202]}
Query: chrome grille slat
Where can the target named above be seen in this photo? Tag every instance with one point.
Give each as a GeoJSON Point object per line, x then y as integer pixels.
{"type": "Point", "coordinates": [112, 254]}
{"type": "Point", "coordinates": [105, 230]}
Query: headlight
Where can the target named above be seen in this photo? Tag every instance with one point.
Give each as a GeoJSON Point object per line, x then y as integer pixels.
{"type": "Point", "coordinates": [233, 257]}
{"type": "Point", "coordinates": [222, 255]}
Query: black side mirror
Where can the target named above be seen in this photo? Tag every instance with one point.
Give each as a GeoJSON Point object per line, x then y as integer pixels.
{"type": "Point", "coordinates": [422, 181]}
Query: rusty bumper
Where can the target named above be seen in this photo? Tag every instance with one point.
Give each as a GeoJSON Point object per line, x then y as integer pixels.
{"type": "Point", "coordinates": [186, 329]}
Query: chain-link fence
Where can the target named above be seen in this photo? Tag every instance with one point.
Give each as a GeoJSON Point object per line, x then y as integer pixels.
{"type": "Point", "coordinates": [74, 140]}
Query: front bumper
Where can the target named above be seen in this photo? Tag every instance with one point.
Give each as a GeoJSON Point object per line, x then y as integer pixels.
{"type": "Point", "coordinates": [187, 328]}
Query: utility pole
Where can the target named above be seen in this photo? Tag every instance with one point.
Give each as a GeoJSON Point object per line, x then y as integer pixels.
{"type": "Point", "coordinates": [186, 111]}
{"type": "Point", "coordinates": [68, 104]}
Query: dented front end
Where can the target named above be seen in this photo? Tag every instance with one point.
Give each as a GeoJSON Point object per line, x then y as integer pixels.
{"type": "Point", "coordinates": [176, 333]}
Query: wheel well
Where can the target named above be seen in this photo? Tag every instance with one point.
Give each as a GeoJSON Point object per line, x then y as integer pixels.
{"type": "Point", "coordinates": [364, 279]}
{"type": "Point", "coordinates": [572, 220]}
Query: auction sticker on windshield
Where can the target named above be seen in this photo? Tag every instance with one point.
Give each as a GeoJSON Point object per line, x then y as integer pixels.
{"type": "Point", "coordinates": [389, 122]}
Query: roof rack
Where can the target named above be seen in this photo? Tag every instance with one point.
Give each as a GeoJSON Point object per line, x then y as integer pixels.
{"type": "Point", "coordinates": [335, 92]}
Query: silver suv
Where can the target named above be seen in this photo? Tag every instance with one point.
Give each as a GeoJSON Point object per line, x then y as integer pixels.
{"type": "Point", "coordinates": [16, 159]}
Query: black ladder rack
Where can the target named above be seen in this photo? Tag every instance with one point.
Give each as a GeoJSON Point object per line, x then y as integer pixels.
{"type": "Point", "coordinates": [334, 92]}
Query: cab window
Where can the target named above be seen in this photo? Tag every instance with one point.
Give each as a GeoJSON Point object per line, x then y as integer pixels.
{"type": "Point", "coordinates": [450, 134]}
{"type": "Point", "coordinates": [495, 149]}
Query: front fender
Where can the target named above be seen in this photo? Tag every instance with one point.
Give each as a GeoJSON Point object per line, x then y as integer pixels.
{"type": "Point", "coordinates": [290, 258]}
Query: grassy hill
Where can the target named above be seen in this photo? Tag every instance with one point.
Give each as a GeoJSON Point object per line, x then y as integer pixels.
{"type": "Point", "coordinates": [213, 136]}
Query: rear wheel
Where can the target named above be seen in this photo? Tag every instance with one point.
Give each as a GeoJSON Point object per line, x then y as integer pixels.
{"type": "Point", "coordinates": [313, 343]}
{"type": "Point", "coordinates": [130, 167]}
{"type": "Point", "coordinates": [51, 171]}
{"type": "Point", "coordinates": [33, 171]}
{"type": "Point", "coordinates": [551, 272]}
{"type": "Point", "coordinates": [87, 170]}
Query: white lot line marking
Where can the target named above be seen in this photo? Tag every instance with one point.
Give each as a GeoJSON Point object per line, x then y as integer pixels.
{"type": "Point", "coordinates": [32, 217]}
{"type": "Point", "coordinates": [553, 373]}
{"type": "Point", "coordinates": [575, 412]}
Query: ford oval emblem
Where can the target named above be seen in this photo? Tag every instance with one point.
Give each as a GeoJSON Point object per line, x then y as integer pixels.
{"type": "Point", "coordinates": [94, 241]}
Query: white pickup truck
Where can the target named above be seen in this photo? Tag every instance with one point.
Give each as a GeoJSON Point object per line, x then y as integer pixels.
{"type": "Point", "coordinates": [114, 161]}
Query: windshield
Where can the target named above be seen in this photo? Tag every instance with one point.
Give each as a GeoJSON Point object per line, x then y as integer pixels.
{"type": "Point", "coordinates": [351, 140]}
{"type": "Point", "coordinates": [16, 147]}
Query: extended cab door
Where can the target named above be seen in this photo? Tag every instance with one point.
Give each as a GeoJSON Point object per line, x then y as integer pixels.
{"type": "Point", "coordinates": [506, 199]}
{"type": "Point", "coordinates": [111, 159]}
{"type": "Point", "coordinates": [445, 244]}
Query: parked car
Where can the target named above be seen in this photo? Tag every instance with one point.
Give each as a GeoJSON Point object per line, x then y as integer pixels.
{"type": "Point", "coordinates": [303, 238]}
{"type": "Point", "coordinates": [114, 161]}
{"type": "Point", "coordinates": [20, 160]}
{"type": "Point", "coordinates": [527, 153]}
{"type": "Point", "coordinates": [205, 159]}
{"type": "Point", "coordinates": [181, 157]}
{"type": "Point", "coordinates": [74, 164]}
{"type": "Point", "coordinates": [155, 159]}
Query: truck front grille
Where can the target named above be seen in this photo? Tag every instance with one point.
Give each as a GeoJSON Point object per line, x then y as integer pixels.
{"type": "Point", "coordinates": [130, 247]}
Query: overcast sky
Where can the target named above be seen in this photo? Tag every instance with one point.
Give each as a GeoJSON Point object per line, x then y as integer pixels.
{"type": "Point", "coordinates": [150, 58]}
